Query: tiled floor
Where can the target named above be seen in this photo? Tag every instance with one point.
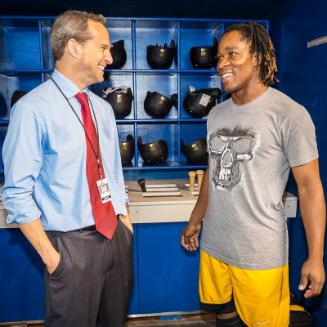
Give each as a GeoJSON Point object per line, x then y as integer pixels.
{"type": "Point", "coordinates": [195, 320]}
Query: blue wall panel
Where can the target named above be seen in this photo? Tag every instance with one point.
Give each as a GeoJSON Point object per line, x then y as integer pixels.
{"type": "Point", "coordinates": [21, 278]}
{"type": "Point", "coordinates": [303, 76]}
{"type": "Point", "coordinates": [168, 274]}
{"type": "Point", "coordinates": [23, 36]}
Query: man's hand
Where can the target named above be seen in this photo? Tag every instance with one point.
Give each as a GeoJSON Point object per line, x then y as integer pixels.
{"type": "Point", "coordinates": [312, 277]}
{"type": "Point", "coordinates": [35, 233]}
{"type": "Point", "coordinates": [190, 237]}
{"type": "Point", "coordinates": [53, 261]}
{"type": "Point", "coordinates": [127, 222]}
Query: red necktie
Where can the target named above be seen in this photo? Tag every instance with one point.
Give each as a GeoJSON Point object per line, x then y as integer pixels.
{"type": "Point", "coordinates": [104, 213]}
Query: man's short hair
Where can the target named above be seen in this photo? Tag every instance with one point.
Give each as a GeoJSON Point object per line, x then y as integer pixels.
{"type": "Point", "coordinates": [260, 44]}
{"type": "Point", "coordinates": [71, 24]}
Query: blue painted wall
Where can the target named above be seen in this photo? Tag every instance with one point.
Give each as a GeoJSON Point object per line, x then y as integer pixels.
{"type": "Point", "coordinates": [303, 76]}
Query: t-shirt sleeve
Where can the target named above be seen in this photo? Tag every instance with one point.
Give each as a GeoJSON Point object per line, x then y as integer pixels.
{"type": "Point", "coordinates": [299, 138]}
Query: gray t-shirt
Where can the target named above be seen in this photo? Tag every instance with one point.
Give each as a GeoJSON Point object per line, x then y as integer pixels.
{"type": "Point", "coordinates": [251, 149]}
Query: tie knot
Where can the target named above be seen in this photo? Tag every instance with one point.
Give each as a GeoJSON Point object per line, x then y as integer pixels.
{"type": "Point", "coordinates": [82, 98]}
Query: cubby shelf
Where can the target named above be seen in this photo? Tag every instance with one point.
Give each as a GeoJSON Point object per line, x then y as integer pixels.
{"type": "Point", "coordinates": [172, 165]}
{"type": "Point", "coordinates": [26, 61]}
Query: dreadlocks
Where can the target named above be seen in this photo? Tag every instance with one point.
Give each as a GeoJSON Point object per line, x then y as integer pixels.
{"type": "Point", "coordinates": [261, 44]}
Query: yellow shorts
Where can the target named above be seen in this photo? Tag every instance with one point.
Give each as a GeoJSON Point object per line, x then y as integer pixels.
{"type": "Point", "coordinates": [262, 297]}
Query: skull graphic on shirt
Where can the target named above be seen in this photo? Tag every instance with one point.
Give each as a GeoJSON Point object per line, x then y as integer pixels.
{"type": "Point", "coordinates": [228, 150]}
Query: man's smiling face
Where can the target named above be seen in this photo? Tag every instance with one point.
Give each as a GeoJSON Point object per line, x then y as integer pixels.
{"type": "Point", "coordinates": [237, 66]}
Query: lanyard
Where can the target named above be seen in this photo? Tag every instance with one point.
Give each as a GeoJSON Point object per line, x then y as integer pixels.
{"type": "Point", "coordinates": [97, 153]}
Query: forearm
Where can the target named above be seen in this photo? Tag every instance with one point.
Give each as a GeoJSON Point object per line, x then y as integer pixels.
{"type": "Point", "coordinates": [36, 235]}
{"type": "Point", "coordinates": [200, 208]}
{"type": "Point", "coordinates": [126, 219]}
{"type": "Point", "coordinates": [127, 210]}
{"type": "Point", "coordinates": [313, 211]}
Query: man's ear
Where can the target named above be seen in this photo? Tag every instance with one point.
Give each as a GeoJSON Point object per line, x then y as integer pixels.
{"type": "Point", "coordinates": [73, 48]}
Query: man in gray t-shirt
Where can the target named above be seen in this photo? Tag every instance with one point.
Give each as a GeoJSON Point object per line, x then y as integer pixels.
{"type": "Point", "coordinates": [254, 139]}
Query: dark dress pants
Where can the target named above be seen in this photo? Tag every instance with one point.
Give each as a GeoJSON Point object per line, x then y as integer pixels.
{"type": "Point", "coordinates": [91, 285]}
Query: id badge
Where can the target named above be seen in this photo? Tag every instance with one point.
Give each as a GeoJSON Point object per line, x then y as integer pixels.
{"type": "Point", "coordinates": [103, 188]}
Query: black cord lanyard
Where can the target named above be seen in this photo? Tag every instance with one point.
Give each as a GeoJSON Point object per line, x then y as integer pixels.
{"type": "Point", "coordinates": [97, 153]}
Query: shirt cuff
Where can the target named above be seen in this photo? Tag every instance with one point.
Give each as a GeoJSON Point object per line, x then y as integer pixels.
{"type": "Point", "coordinates": [20, 218]}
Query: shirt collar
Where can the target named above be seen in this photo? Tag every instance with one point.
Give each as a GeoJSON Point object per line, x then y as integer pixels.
{"type": "Point", "coordinates": [66, 85]}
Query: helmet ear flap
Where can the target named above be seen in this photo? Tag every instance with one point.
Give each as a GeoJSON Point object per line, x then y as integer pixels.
{"type": "Point", "coordinates": [172, 44]}
{"type": "Point", "coordinates": [139, 142]}
{"type": "Point", "coordinates": [118, 54]}
{"type": "Point", "coordinates": [16, 96]}
{"type": "Point", "coordinates": [126, 149]}
{"type": "Point", "coordinates": [174, 99]}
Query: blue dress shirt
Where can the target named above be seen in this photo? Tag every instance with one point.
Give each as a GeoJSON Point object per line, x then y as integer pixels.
{"type": "Point", "coordinates": [44, 156]}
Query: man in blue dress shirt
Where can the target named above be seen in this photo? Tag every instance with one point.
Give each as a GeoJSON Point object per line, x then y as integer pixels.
{"type": "Point", "coordinates": [88, 276]}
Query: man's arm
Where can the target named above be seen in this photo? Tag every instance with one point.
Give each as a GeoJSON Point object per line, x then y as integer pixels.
{"type": "Point", "coordinates": [36, 235]}
{"type": "Point", "coordinates": [190, 234]}
{"type": "Point", "coordinates": [22, 156]}
{"type": "Point", "coordinates": [313, 210]}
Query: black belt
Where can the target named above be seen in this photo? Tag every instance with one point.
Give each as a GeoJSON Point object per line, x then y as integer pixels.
{"type": "Point", "coordinates": [88, 228]}
{"type": "Point", "coordinates": [92, 227]}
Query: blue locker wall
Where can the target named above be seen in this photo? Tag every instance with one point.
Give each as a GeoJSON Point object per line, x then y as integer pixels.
{"type": "Point", "coordinates": [168, 274]}
{"type": "Point", "coordinates": [26, 61]}
{"type": "Point", "coordinates": [303, 76]}
{"type": "Point", "coordinates": [21, 275]}
{"type": "Point", "coordinates": [21, 279]}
